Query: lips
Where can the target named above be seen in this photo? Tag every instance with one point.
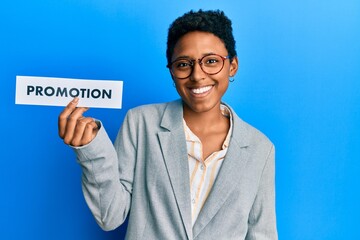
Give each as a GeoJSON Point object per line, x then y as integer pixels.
{"type": "Point", "coordinates": [201, 90]}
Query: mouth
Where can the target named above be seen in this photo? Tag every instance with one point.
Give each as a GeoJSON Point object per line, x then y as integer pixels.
{"type": "Point", "coordinates": [201, 90]}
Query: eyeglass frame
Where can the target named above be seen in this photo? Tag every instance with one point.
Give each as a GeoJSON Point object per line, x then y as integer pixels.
{"type": "Point", "coordinates": [199, 61]}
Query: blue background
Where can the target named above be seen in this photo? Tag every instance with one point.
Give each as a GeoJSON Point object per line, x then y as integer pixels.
{"type": "Point", "coordinates": [298, 82]}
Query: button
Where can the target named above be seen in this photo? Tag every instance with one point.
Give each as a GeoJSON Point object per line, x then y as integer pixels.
{"type": "Point", "coordinates": [202, 167]}
{"type": "Point", "coordinates": [193, 201]}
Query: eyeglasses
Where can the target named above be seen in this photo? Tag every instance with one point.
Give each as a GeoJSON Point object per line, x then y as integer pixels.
{"type": "Point", "coordinates": [210, 64]}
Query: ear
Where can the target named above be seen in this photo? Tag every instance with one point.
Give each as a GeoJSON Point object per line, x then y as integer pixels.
{"type": "Point", "coordinates": [234, 66]}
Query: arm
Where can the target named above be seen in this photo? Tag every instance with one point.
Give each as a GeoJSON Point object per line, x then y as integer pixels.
{"type": "Point", "coordinates": [108, 199]}
{"type": "Point", "coordinates": [262, 219]}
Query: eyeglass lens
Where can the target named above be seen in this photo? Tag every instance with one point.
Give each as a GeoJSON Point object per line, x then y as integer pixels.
{"type": "Point", "coordinates": [210, 64]}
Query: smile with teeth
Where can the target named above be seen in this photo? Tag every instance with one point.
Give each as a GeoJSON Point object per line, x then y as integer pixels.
{"type": "Point", "coordinates": [201, 90]}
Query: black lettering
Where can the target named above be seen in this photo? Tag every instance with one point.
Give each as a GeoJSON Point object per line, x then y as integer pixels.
{"type": "Point", "coordinates": [61, 92]}
{"type": "Point", "coordinates": [47, 93]}
{"type": "Point", "coordinates": [38, 90]}
{"type": "Point", "coordinates": [82, 90]}
{"type": "Point", "coordinates": [98, 93]}
{"type": "Point", "coordinates": [107, 94]}
{"type": "Point", "coordinates": [30, 89]}
{"type": "Point", "coordinates": [74, 90]}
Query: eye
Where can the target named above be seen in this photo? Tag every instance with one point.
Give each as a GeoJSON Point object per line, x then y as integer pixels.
{"type": "Point", "coordinates": [182, 64]}
{"type": "Point", "coordinates": [211, 60]}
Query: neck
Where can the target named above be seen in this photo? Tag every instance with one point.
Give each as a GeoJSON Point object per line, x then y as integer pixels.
{"type": "Point", "coordinates": [203, 120]}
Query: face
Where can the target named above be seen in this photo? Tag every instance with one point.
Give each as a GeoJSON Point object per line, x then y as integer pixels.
{"type": "Point", "coordinates": [200, 91]}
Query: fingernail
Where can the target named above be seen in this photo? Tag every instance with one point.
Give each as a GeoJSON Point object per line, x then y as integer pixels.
{"type": "Point", "coordinates": [75, 100]}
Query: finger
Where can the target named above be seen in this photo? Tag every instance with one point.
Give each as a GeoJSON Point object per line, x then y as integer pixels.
{"type": "Point", "coordinates": [72, 122]}
{"type": "Point", "coordinates": [79, 130]}
{"type": "Point", "coordinates": [90, 132]}
{"type": "Point", "coordinates": [64, 115]}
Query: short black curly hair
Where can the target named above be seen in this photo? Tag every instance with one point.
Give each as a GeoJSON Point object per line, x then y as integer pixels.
{"type": "Point", "coordinates": [214, 22]}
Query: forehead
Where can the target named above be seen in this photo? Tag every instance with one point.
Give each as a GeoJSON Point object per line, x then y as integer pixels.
{"type": "Point", "coordinates": [197, 44]}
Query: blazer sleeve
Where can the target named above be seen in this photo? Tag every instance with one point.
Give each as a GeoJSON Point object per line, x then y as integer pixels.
{"type": "Point", "coordinates": [262, 219]}
{"type": "Point", "coordinates": [106, 183]}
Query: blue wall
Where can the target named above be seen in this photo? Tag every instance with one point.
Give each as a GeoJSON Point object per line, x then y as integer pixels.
{"type": "Point", "coordinates": [298, 82]}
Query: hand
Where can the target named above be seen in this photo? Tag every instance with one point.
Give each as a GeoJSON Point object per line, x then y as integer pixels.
{"type": "Point", "coordinates": [74, 128]}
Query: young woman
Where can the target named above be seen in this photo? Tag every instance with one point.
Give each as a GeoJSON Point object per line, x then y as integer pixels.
{"type": "Point", "coordinates": [187, 169]}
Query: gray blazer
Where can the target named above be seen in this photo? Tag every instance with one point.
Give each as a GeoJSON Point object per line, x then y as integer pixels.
{"type": "Point", "coordinates": [145, 174]}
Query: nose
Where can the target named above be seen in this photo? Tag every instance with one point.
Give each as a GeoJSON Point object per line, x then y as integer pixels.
{"type": "Point", "coordinates": [197, 73]}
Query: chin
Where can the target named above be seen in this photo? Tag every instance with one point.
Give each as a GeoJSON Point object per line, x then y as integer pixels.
{"type": "Point", "coordinates": [199, 108]}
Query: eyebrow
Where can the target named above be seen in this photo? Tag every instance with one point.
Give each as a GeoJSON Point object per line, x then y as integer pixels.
{"type": "Point", "coordinates": [188, 57]}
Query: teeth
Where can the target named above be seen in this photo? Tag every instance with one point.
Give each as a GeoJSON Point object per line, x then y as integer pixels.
{"type": "Point", "coordinates": [201, 90]}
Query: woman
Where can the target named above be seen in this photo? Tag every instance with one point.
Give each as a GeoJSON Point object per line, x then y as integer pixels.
{"type": "Point", "coordinates": [188, 169]}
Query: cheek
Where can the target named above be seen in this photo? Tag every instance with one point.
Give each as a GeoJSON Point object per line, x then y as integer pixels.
{"type": "Point", "coordinates": [179, 88]}
{"type": "Point", "coordinates": [224, 78]}
{"type": "Point", "coordinates": [224, 83]}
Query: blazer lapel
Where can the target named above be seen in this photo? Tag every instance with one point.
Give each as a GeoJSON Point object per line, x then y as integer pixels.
{"type": "Point", "coordinates": [173, 147]}
{"type": "Point", "coordinates": [231, 170]}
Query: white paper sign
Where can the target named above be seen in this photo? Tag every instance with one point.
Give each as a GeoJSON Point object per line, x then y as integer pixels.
{"type": "Point", "coordinates": [60, 91]}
